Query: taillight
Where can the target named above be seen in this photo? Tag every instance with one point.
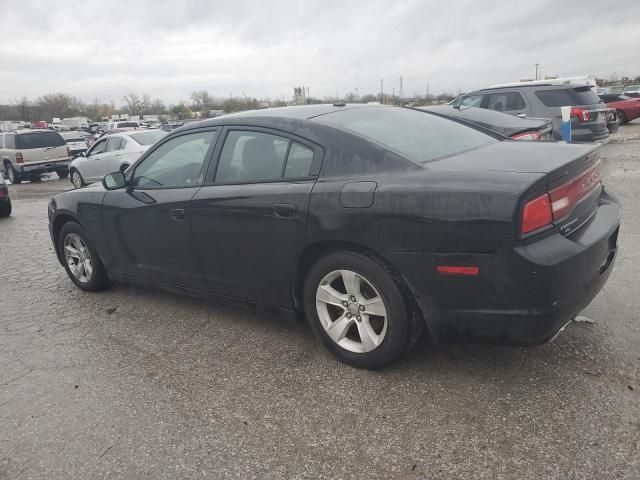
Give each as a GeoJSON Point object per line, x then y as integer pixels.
{"type": "Point", "coordinates": [68, 151]}
{"type": "Point", "coordinates": [583, 114]}
{"type": "Point", "coordinates": [563, 198]}
{"type": "Point", "coordinates": [19, 158]}
{"type": "Point", "coordinates": [530, 136]}
{"type": "Point", "coordinates": [536, 214]}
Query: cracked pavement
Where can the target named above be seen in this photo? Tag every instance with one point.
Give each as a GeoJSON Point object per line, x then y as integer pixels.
{"type": "Point", "coordinates": [134, 383]}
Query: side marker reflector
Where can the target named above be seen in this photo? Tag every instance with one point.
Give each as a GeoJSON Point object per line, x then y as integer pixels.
{"type": "Point", "coordinates": [457, 270]}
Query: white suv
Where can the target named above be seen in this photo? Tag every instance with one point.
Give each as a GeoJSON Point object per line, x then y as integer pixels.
{"type": "Point", "coordinates": [27, 154]}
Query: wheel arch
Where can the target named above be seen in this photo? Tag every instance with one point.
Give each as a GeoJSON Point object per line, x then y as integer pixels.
{"type": "Point", "coordinates": [315, 251]}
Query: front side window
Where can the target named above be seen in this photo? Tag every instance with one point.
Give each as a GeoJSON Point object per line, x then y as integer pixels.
{"type": "Point", "coordinates": [99, 147]}
{"type": "Point", "coordinates": [505, 102]}
{"type": "Point", "coordinates": [176, 163]}
{"type": "Point", "coordinates": [251, 157]}
{"type": "Point", "coordinates": [471, 101]}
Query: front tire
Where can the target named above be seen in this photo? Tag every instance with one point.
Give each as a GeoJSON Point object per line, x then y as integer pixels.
{"type": "Point", "coordinates": [80, 258]}
{"type": "Point", "coordinates": [5, 208]}
{"type": "Point", "coordinates": [622, 118]}
{"type": "Point", "coordinates": [355, 305]}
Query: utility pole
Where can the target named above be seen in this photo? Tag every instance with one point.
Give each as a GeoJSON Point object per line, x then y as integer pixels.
{"type": "Point", "coordinates": [307, 94]}
{"type": "Point", "coordinates": [381, 91]}
{"type": "Point", "coordinates": [427, 97]}
{"type": "Point", "coordinates": [401, 92]}
{"type": "Point", "coordinates": [537, 70]}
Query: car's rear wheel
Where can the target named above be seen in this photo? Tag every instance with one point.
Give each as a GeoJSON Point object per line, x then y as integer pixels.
{"type": "Point", "coordinates": [622, 118]}
{"type": "Point", "coordinates": [35, 178]}
{"type": "Point", "coordinates": [14, 177]}
{"type": "Point", "coordinates": [356, 306]}
{"type": "Point", "coordinates": [5, 208]}
{"type": "Point", "coordinates": [76, 179]}
{"type": "Point", "coordinates": [63, 172]}
{"type": "Point", "coordinates": [81, 260]}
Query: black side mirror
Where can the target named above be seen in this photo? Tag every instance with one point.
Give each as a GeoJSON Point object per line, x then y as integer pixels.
{"type": "Point", "coordinates": [114, 181]}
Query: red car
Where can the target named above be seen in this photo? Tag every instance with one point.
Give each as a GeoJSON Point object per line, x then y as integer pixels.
{"type": "Point", "coordinates": [627, 108]}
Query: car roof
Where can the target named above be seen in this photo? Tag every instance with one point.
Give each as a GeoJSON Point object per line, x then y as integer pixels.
{"type": "Point", "coordinates": [541, 86]}
{"type": "Point", "coordinates": [31, 130]}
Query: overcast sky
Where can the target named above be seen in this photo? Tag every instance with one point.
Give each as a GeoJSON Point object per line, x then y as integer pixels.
{"type": "Point", "coordinates": [96, 49]}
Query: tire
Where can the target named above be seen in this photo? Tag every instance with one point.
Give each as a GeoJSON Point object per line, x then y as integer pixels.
{"type": "Point", "coordinates": [76, 179]}
{"type": "Point", "coordinates": [5, 208]}
{"type": "Point", "coordinates": [35, 178]}
{"type": "Point", "coordinates": [63, 172]}
{"type": "Point", "coordinates": [377, 290]}
{"type": "Point", "coordinates": [622, 118]}
{"type": "Point", "coordinates": [91, 277]}
{"type": "Point", "coordinates": [12, 174]}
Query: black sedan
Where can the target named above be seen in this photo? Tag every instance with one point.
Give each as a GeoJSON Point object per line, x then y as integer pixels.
{"type": "Point", "coordinates": [512, 126]}
{"type": "Point", "coordinates": [374, 221]}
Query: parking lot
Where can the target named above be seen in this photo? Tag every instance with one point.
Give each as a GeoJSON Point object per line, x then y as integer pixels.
{"type": "Point", "coordinates": [136, 383]}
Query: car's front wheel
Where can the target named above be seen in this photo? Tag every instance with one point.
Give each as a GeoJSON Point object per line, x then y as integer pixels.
{"type": "Point", "coordinates": [81, 259]}
{"type": "Point", "coordinates": [355, 305]}
{"type": "Point", "coordinates": [622, 118]}
{"type": "Point", "coordinates": [76, 179]}
{"type": "Point", "coordinates": [14, 177]}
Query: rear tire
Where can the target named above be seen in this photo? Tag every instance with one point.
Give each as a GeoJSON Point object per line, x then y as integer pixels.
{"type": "Point", "coordinates": [5, 208]}
{"type": "Point", "coordinates": [12, 174]}
{"type": "Point", "coordinates": [365, 319]}
{"type": "Point", "coordinates": [76, 179]}
{"type": "Point", "coordinates": [80, 258]}
{"type": "Point", "coordinates": [35, 178]}
{"type": "Point", "coordinates": [63, 172]}
{"type": "Point", "coordinates": [622, 118]}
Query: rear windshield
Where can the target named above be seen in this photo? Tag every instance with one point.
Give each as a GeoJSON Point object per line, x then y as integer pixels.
{"type": "Point", "coordinates": [568, 97]}
{"type": "Point", "coordinates": [73, 140]}
{"type": "Point", "coordinates": [148, 138]}
{"type": "Point", "coordinates": [126, 124]}
{"type": "Point", "coordinates": [416, 135]}
{"type": "Point", "coordinates": [39, 140]}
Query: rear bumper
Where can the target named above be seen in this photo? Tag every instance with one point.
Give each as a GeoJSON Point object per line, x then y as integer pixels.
{"type": "Point", "coordinates": [588, 135]}
{"type": "Point", "coordinates": [44, 167]}
{"type": "Point", "coordinates": [523, 293]}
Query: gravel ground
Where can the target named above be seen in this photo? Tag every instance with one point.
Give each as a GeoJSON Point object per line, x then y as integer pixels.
{"type": "Point", "coordinates": [140, 384]}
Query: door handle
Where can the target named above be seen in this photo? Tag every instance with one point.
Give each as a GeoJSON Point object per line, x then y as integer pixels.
{"type": "Point", "coordinates": [177, 213]}
{"type": "Point", "coordinates": [284, 209]}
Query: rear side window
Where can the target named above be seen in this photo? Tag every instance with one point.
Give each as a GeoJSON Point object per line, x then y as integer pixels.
{"type": "Point", "coordinates": [251, 157]}
{"type": "Point", "coordinates": [416, 135]}
{"type": "Point", "coordinates": [39, 140]}
{"type": "Point", "coordinates": [568, 97]}
{"type": "Point", "coordinates": [505, 102]}
{"type": "Point", "coordinates": [114, 144]}
{"type": "Point", "coordinates": [127, 124]}
{"type": "Point", "coordinates": [299, 161]}
{"type": "Point", "coordinates": [471, 101]}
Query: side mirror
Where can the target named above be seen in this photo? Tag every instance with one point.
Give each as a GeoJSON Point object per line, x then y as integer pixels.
{"type": "Point", "coordinates": [81, 154]}
{"type": "Point", "coordinates": [114, 181]}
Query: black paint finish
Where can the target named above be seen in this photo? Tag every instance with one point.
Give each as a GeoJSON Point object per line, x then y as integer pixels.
{"type": "Point", "coordinates": [254, 241]}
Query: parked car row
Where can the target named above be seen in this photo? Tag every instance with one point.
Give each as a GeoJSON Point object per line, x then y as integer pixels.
{"type": "Point", "coordinates": [27, 154]}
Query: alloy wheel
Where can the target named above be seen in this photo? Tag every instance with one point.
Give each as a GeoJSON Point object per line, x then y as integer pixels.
{"type": "Point", "coordinates": [351, 311]}
{"type": "Point", "coordinates": [78, 258]}
{"type": "Point", "coordinates": [76, 179]}
{"type": "Point", "coordinates": [11, 174]}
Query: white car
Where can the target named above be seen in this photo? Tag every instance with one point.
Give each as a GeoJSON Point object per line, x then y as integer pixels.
{"type": "Point", "coordinates": [111, 153]}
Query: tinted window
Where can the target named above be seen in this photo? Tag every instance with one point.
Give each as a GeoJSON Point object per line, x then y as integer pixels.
{"type": "Point", "coordinates": [74, 140]}
{"type": "Point", "coordinates": [176, 163]}
{"type": "Point", "coordinates": [505, 102]}
{"type": "Point", "coordinates": [416, 135]}
{"type": "Point", "coordinates": [148, 138]}
{"type": "Point", "coordinates": [568, 97]}
{"type": "Point", "coordinates": [251, 157]}
{"type": "Point", "coordinates": [127, 124]}
{"type": "Point", "coordinates": [39, 140]}
{"type": "Point", "coordinates": [113, 144]}
{"type": "Point", "coordinates": [471, 101]}
{"type": "Point", "coordinates": [299, 161]}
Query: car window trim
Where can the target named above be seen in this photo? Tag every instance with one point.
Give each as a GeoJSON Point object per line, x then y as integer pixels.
{"type": "Point", "coordinates": [314, 171]}
{"type": "Point", "coordinates": [203, 168]}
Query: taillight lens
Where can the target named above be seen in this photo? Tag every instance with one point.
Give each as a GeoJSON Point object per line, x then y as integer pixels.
{"type": "Point", "coordinates": [530, 136]}
{"type": "Point", "coordinates": [566, 196]}
{"type": "Point", "coordinates": [536, 214]}
{"type": "Point", "coordinates": [19, 158]}
{"type": "Point", "coordinates": [68, 151]}
{"type": "Point", "coordinates": [583, 114]}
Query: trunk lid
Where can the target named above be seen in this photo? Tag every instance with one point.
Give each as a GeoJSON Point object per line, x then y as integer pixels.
{"type": "Point", "coordinates": [570, 174]}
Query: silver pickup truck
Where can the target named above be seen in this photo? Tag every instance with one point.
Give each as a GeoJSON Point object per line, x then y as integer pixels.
{"type": "Point", "coordinates": [26, 154]}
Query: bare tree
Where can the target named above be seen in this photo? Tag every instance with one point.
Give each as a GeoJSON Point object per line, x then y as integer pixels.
{"type": "Point", "coordinates": [201, 100]}
{"type": "Point", "coordinates": [23, 107]}
{"type": "Point", "coordinates": [134, 103]}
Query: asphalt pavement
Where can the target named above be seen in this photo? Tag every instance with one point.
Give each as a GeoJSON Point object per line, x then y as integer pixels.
{"type": "Point", "coordinates": [134, 383]}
